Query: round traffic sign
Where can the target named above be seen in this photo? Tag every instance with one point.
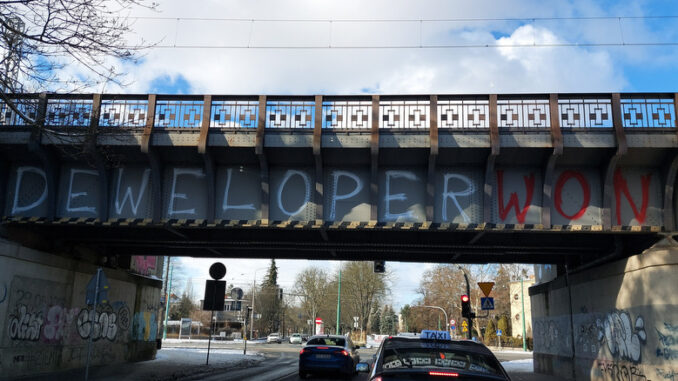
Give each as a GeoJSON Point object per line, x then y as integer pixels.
{"type": "Point", "coordinates": [318, 320]}
{"type": "Point", "coordinates": [453, 322]}
{"type": "Point", "coordinates": [217, 270]}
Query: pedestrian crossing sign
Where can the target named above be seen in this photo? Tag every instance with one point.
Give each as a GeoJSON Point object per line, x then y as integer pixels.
{"type": "Point", "coordinates": [487, 303]}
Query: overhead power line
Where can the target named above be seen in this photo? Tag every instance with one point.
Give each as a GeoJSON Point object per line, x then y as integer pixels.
{"type": "Point", "coordinates": [407, 20]}
{"type": "Point", "coordinates": [332, 43]}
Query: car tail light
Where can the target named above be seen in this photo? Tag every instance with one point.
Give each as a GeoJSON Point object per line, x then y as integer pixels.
{"type": "Point", "coordinates": [443, 374]}
{"type": "Point", "coordinates": [341, 353]}
{"type": "Point", "coordinates": [323, 347]}
{"type": "Point", "coordinates": [378, 378]}
{"type": "Point", "coordinates": [305, 350]}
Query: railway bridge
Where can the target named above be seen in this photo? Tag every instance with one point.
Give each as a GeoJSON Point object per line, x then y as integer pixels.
{"type": "Point", "coordinates": [585, 182]}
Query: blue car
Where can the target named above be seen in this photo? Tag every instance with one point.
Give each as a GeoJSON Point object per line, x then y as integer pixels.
{"type": "Point", "coordinates": [328, 354]}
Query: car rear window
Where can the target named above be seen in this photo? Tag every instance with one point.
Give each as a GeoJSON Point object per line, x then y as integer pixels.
{"type": "Point", "coordinates": [398, 358]}
{"type": "Point", "coordinates": [327, 341]}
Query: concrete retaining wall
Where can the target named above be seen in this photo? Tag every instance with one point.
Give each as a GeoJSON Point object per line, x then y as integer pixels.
{"type": "Point", "coordinates": [45, 324]}
{"type": "Point", "coordinates": [614, 322]}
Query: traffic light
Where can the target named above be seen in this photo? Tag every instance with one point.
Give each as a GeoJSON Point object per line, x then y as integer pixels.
{"type": "Point", "coordinates": [379, 266]}
{"type": "Point", "coordinates": [466, 306]}
{"type": "Point", "coordinates": [248, 314]}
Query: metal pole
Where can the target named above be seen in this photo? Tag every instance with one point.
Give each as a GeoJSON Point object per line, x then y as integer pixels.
{"type": "Point", "coordinates": [92, 319]}
{"type": "Point", "coordinates": [522, 300]}
{"type": "Point", "coordinates": [339, 302]}
{"type": "Point", "coordinates": [254, 291]}
{"type": "Point", "coordinates": [209, 338]}
{"type": "Point", "coordinates": [170, 268]}
{"type": "Point", "coordinates": [468, 292]}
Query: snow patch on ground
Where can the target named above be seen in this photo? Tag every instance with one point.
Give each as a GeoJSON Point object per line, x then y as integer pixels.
{"type": "Point", "coordinates": [178, 363]}
{"type": "Point", "coordinates": [519, 366]}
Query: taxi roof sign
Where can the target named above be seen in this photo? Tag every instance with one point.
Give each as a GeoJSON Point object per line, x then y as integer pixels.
{"type": "Point", "coordinates": [486, 287]}
{"type": "Point", "coordinates": [435, 335]}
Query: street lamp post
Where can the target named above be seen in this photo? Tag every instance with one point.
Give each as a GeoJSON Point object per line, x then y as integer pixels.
{"type": "Point", "coordinates": [254, 291]}
{"type": "Point", "coordinates": [447, 321]}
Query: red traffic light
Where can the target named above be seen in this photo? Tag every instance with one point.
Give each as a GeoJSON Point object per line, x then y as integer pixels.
{"type": "Point", "coordinates": [464, 298]}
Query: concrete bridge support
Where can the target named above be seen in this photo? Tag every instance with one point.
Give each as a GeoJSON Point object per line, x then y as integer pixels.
{"type": "Point", "coordinates": [45, 324]}
{"type": "Point", "coordinates": [618, 321]}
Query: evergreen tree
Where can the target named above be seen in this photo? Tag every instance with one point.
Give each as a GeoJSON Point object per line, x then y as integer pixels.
{"type": "Point", "coordinates": [183, 309]}
{"type": "Point", "coordinates": [490, 332]}
{"type": "Point", "coordinates": [271, 279]}
{"type": "Point", "coordinates": [375, 323]}
{"type": "Point", "coordinates": [503, 324]}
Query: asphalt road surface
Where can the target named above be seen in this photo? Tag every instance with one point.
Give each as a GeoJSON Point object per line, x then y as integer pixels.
{"type": "Point", "coordinates": [282, 363]}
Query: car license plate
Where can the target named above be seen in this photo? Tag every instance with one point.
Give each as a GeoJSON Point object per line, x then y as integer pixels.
{"type": "Point", "coordinates": [323, 356]}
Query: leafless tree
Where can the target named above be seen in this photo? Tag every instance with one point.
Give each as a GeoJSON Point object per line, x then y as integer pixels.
{"type": "Point", "coordinates": [313, 286]}
{"type": "Point", "coordinates": [45, 44]}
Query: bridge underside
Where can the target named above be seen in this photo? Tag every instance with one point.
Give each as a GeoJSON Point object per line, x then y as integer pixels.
{"type": "Point", "coordinates": [552, 178]}
{"type": "Point", "coordinates": [395, 242]}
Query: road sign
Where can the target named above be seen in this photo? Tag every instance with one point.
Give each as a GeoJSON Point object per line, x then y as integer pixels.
{"type": "Point", "coordinates": [91, 296]}
{"type": "Point", "coordinates": [356, 318]}
{"type": "Point", "coordinates": [464, 323]}
{"type": "Point", "coordinates": [318, 320]}
{"type": "Point", "coordinates": [486, 287]}
{"type": "Point", "coordinates": [453, 322]}
{"type": "Point", "coordinates": [453, 328]}
{"type": "Point", "coordinates": [499, 332]}
{"type": "Point", "coordinates": [487, 303]}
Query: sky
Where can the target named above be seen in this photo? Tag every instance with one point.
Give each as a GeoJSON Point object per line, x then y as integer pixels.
{"type": "Point", "coordinates": [308, 47]}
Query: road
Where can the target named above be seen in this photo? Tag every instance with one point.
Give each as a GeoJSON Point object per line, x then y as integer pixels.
{"type": "Point", "coordinates": [281, 364]}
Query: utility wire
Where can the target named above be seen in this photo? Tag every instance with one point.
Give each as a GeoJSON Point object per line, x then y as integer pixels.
{"type": "Point", "coordinates": [385, 47]}
{"type": "Point", "coordinates": [405, 20]}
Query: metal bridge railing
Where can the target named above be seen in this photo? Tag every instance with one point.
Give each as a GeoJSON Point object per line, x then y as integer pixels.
{"type": "Point", "coordinates": [648, 112]}
{"type": "Point", "coordinates": [68, 112]}
{"type": "Point", "coordinates": [234, 113]}
{"type": "Point", "coordinates": [27, 106]}
{"type": "Point", "coordinates": [405, 114]}
{"type": "Point", "coordinates": [178, 113]}
{"type": "Point", "coordinates": [582, 113]}
{"type": "Point", "coordinates": [463, 113]}
{"type": "Point", "coordinates": [347, 114]}
{"type": "Point", "coordinates": [525, 113]}
{"type": "Point", "coordinates": [290, 114]}
{"type": "Point", "coordinates": [123, 113]}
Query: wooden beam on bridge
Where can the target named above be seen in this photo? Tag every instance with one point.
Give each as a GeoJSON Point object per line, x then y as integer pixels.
{"type": "Point", "coordinates": [317, 155]}
{"type": "Point", "coordinates": [557, 143]}
{"type": "Point", "coordinates": [432, 158]}
{"type": "Point", "coordinates": [263, 161]}
{"type": "Point", "coordinates": [99, 159]}
{"type": "Point", "coordinates": [47, 158]}
{"type": "Point", "coordinates": [150, 122]}
{"type": "Point", "coordinates": [374, 161]}
{"type": "Point", "coordinates": [203, 139]}
{"type": "Point", "coordinates": [492, 157]}
{"type": "Point", "coordinates": [622, 148]}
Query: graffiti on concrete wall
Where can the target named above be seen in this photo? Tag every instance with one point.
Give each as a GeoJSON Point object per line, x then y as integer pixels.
{"type": "Point", "coordinates": [39, 313]}
{"type": "Point", "coordinates": [668, 341]}
{"type": "Point", "coordinates": [24, 324]}
{"type": "Point", "coordinates": [144, 265]}
{"type": "Point", "coordinates": [620, 372]}
{"type": "Point", "coordinates": [623, 336]}
{"type": "Point", "coordinates": [577, 194]}
{"type": "Point", "coordinates": [144, 327]}
{"type": "Point", "coordinates": [552, 335]}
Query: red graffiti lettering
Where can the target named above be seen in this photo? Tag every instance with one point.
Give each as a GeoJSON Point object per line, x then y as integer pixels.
{"type": "Point", "coordinates": [513, 197]}
{"type": "Point", "coordinates": [620, 186]}
{"type": "Point", "coordinates": [558, 196]}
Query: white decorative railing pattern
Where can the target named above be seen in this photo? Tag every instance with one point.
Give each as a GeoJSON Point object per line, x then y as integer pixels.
{"type": "Point", "coordinates": [463, 113]}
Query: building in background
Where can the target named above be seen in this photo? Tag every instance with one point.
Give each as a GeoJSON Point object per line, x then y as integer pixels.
{"type": "Point", "coordinates": [517, 307]}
